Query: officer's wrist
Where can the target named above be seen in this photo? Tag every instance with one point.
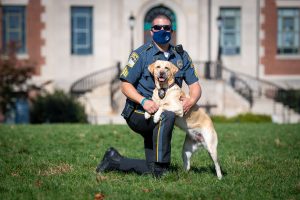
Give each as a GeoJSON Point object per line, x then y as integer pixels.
{"type": "Point", "coordinates": [143, 101]}
{"type": "Point", "coordinates": [193, 101]}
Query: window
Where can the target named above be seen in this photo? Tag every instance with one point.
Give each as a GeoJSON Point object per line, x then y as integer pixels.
{"type": "Point", "coordinates": [13, 27]}
{"type": "Point", "coordinates": [288, 31]}
{"type": "Point", "coordinates": [82, 27]}
{"type": "Point", "coordinates": [230, 31]}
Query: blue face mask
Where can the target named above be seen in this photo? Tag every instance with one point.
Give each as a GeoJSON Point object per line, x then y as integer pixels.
{"type": "Point", "coordinates": [162, 37]}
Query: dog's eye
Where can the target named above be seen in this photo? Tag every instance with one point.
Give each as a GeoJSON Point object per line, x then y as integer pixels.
{"type": "Point", "coordinates": [167, 68]}
{"type": "Point", "coordinates": [158, 67]}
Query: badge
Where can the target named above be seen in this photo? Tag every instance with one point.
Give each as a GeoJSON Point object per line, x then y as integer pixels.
{"type": "Point", "coordinates": [161, 93]}
{"type": "Point", "coordinates": [179, 64]}
{"type": "Point", "coordinates": [133, 59]}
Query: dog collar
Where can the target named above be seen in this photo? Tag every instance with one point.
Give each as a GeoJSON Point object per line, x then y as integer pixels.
{"type": "Point", "coordinates": [162, 91]}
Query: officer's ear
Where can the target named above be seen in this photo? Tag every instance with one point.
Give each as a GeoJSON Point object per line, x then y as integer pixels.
{"type": "Point", "coordinates": [173, 68]}
{"type": "Point", "coordinates": [151, 68]}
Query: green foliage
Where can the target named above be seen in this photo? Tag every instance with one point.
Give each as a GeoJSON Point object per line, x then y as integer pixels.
{"type": "Point", "coordinates": [13, 76]}
{"type": "Point", "coordinates": [259, 161]}
{"type": "Point", "coordinates": [219, 118]}
{"type": "Point", "coordinates": [243, 118]}
{"type": "Point", "coordinates": [57, 108]}
{"type": "Point", "coordinates": [290, 98]}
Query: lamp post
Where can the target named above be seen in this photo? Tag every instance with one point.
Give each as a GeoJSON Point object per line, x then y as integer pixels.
{"type": "Point", "coordinates": [208, 62]}
{"type": "Point", "coordinates": [131, 26]}
{"type": "Point", "coordinates": [219, 60]}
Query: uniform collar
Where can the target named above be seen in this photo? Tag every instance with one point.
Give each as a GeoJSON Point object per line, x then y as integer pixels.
{"type": "Point", "coordinates": [156, 51]}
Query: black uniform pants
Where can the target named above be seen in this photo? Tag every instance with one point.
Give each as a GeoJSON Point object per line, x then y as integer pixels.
{"type": "Point", "coordinates": [157, 141]}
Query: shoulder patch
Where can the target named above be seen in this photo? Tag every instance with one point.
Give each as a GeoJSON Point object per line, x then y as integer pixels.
{"type": "Point", "coordinates": [124, 72]}
{"type": "Point", "coordinates": [191, 62]}
{"type": "Point", "coordinates": [196, 73]}
{"type": "Point", "coordinates": [192, 65]}
{"type": "Point", "coordinates": [133, 59]}
{"type": "Point", "coordinates": [189, 58]}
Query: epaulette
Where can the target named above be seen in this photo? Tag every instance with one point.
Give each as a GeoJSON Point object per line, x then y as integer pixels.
{"type": "Point", "coordinates": [147, 47]}
{"type": "Point", "coordinates": [144, 48]}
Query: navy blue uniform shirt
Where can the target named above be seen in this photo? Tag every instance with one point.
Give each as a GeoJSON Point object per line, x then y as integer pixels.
{"type": "Point", "coordinates": [136, 71]}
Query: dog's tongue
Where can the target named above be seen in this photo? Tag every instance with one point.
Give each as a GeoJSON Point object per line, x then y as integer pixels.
{"type": "Point", "coordinates": [161, 79]}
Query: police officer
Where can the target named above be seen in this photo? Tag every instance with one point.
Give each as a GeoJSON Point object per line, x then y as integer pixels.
{"type": "Point", "coordinates": [137, 84]}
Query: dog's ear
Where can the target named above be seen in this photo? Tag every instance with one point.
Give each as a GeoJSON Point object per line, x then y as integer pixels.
{"type": "Point", "coordinates": [173, 68]}
{"type": "Point", "coordinates": [151, 68]}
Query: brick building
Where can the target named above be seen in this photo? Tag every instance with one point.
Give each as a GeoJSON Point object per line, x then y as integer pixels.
{"type": "Point", "coordinates": [259, 37]}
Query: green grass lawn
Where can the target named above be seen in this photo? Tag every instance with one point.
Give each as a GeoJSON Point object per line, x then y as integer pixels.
{"type": "Point", "coordinates": [260, 161]}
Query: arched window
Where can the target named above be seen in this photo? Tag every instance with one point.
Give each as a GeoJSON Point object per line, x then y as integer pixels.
{"type": "Point", "coordinates": [151, 14]}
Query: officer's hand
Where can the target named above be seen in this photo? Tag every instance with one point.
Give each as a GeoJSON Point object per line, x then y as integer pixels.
{"type": "Point", "coordinates": [187, 103]}
{"type": "Point", "coordinates": [150, 106]}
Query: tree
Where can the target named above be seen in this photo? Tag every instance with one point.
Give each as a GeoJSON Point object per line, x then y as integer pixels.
{"type": "Point", "coordinates": [14, 74]}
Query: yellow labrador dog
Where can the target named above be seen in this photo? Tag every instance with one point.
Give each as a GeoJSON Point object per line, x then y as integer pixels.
{"type": "Point", "coordinates": [196, 123]}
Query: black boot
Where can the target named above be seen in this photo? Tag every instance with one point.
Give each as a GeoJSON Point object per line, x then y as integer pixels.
{"type": "Point", "coordinates": [111, 161]}
{"type": "Point", "coordinates": [159, 169]}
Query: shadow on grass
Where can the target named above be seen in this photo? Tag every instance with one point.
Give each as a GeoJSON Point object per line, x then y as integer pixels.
{"type": "Point", "coordinates": [176, 169]}
{"type": "Point", "coordinates": [210, 169]}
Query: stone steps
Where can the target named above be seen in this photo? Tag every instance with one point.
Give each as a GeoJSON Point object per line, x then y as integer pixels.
{"type": "Point", "coordinates": [278, 112]}
{"type": "Point", "coordinates": [218, 93]}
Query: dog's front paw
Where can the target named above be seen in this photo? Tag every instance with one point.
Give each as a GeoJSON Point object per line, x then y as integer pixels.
{"type": "Point", "coordinates": [156, 117]}
{"type": "Point", "coordinates": [147, 115]}
{"type": "Point", "coordinates": [181, 114]}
